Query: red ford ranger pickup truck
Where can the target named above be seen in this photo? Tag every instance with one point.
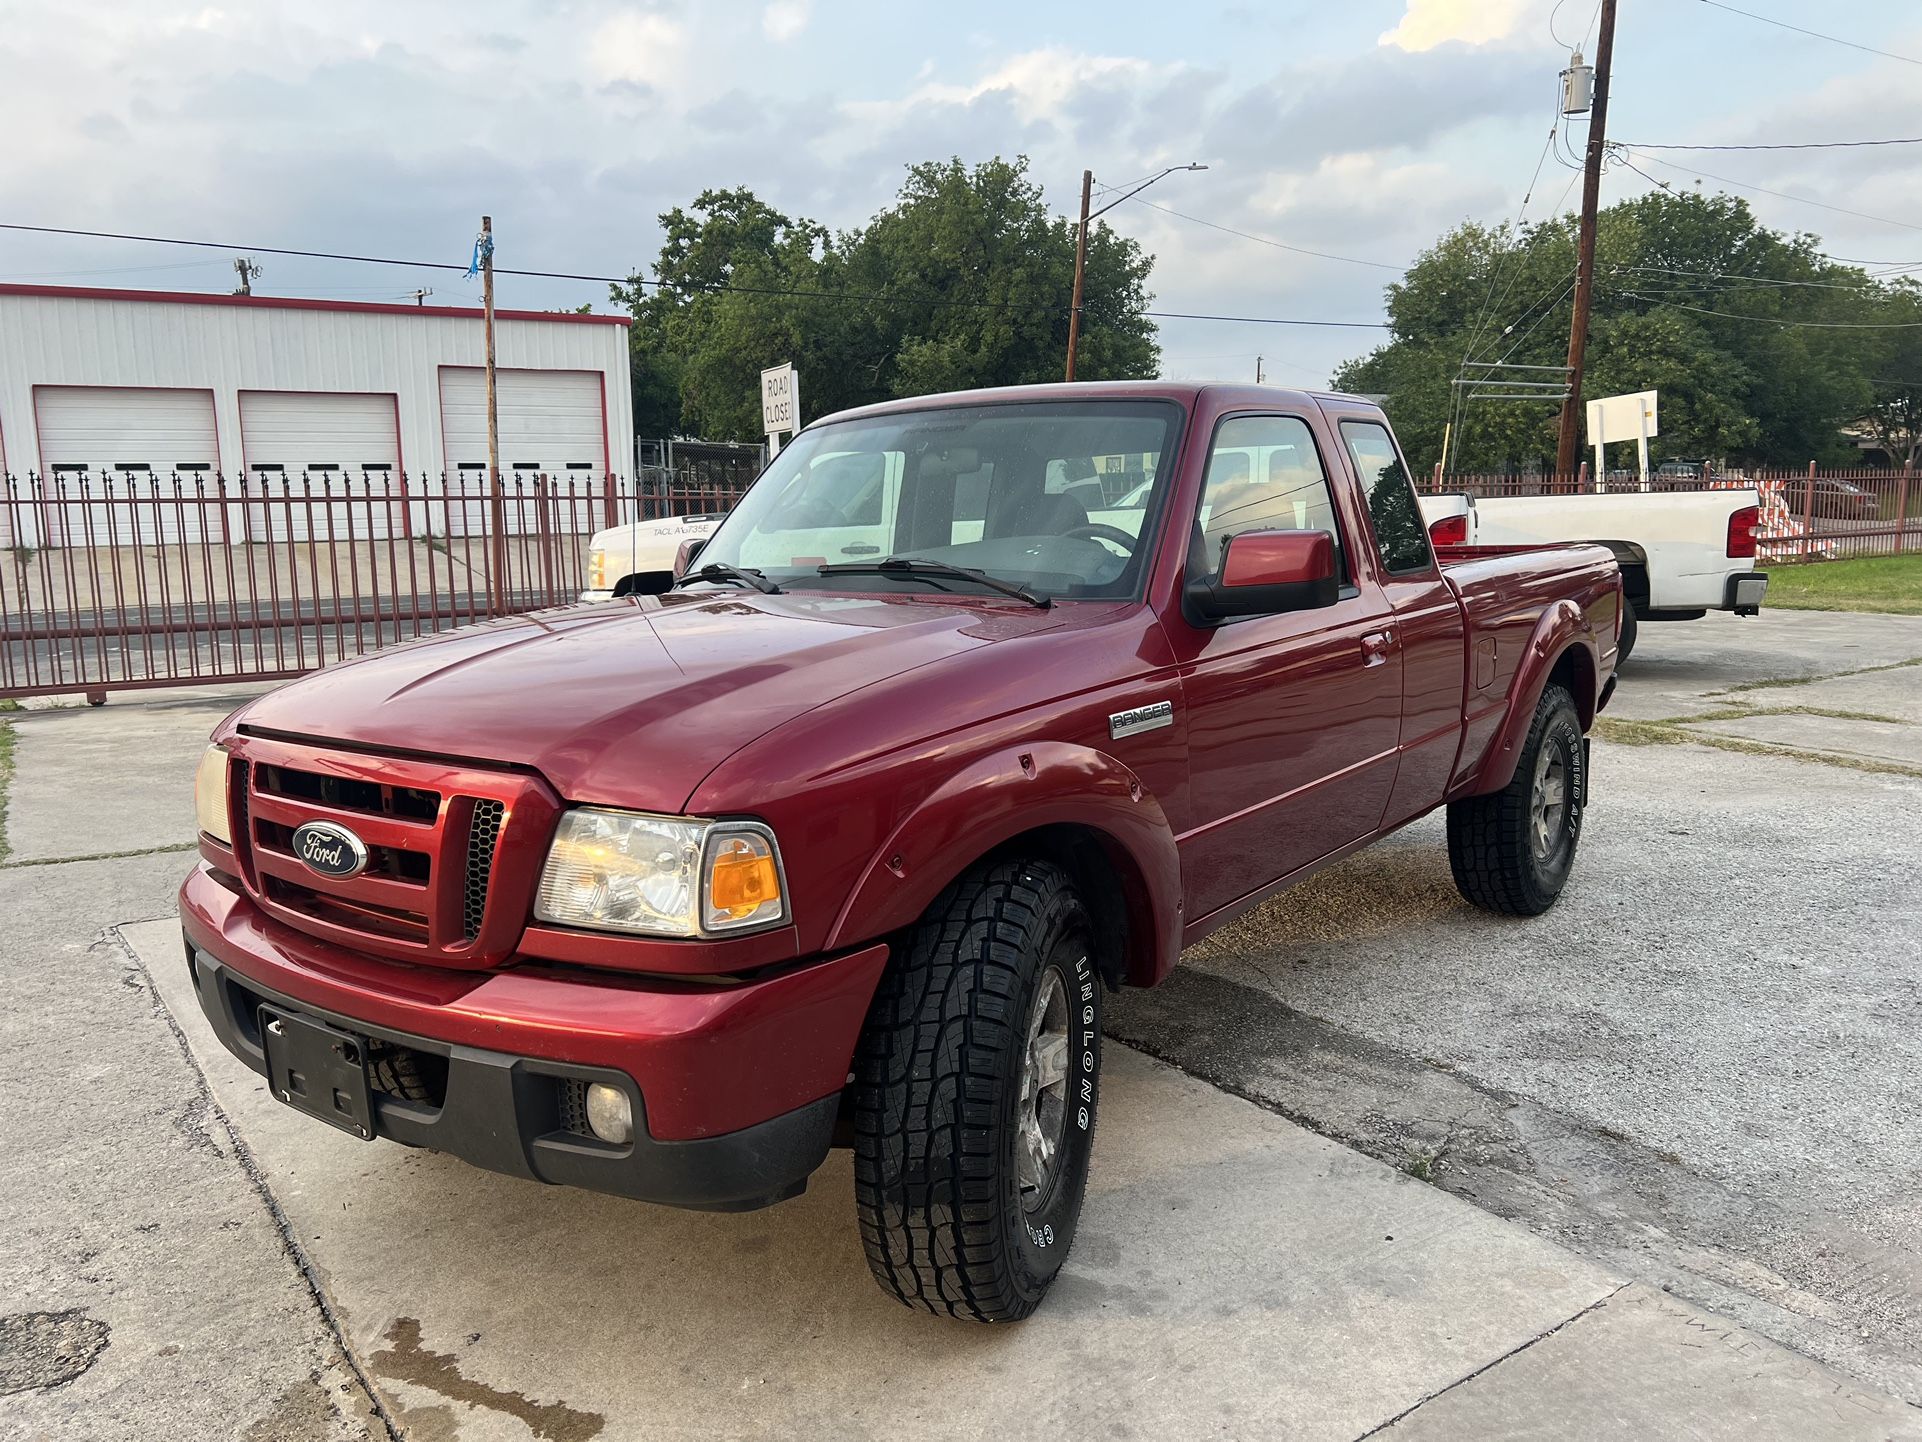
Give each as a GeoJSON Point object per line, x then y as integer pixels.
{"type": "Point", "coordinates": [975, 706]}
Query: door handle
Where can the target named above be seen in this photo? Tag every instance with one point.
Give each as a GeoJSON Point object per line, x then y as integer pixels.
{"type": "Point", "coordinates": [1377, 647]}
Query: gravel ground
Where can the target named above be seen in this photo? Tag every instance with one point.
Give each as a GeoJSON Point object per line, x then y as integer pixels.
{"type": "Point", "coordinates": [1704, 1065]}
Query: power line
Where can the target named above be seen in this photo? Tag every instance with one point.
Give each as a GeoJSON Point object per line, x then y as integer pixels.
{"type": "Point", "coordinates": [1801, 145]}
{"type": "Point", "coordinates": [1266, 320]}
{"type": "Point", "coordinates": [796, 292]}
{"type": "Point", "coordinates": [1791, 324]}
{"type": "Point", "coordinates": [533, 274]}
{"type": "Point", "coordinates": [1759, 189]}
{"type": "Point", "coordinates": [1267, 240]}
{"type": "Point", "coordinates": [1813, 34]}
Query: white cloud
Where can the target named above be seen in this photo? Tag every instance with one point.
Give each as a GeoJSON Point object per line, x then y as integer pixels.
{"type": "Point", "coordinates": [1428, 23]}
{"type": "Point", "coordinates": [785, 19]}
{"type": "Point", "coordinates": [1038, 85]}
{"type": "Point", "coordinates": [635, 46]}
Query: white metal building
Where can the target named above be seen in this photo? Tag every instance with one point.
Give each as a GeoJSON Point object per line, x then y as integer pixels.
{"type": "Point", "coordinates": [263, 386]}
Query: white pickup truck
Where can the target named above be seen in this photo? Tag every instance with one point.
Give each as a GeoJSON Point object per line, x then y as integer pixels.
{"type": "Point", "coordinates": [1682, 553]}
{"type": "Point", "coordinates": [638, 559]}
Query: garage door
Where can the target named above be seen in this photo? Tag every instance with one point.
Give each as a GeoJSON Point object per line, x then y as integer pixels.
{"type": "Point", "coordinates": [550, 424]}
{"type": "Point", "coordinates": [325, 461]}
{"type": "Point", "coordinates": [145, 438]}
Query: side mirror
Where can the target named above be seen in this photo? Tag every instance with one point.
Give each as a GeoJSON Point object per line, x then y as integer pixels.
{"type": "Point", "coordinates": [684, 556]}
{"type": "Point", "coordinates": [1263, 572]}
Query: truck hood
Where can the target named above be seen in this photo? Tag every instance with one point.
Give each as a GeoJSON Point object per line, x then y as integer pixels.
{"type": "Point", "coordinates": [629, 703]}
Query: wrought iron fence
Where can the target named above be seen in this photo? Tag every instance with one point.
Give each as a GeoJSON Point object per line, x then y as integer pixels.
{"type": "Point", "coordinates": [128, 579]}
{"type": "Point", "coordinates": [1807, 515]}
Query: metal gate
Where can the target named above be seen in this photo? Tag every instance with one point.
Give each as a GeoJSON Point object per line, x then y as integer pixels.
{"type": "Point", "coordinates": [121, 580]}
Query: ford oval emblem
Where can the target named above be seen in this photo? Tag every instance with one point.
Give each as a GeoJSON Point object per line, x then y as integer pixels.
{"type": "Point", "coordinates": [330, 850]}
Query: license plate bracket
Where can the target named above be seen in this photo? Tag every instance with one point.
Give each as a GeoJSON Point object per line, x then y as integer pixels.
{"type": "Point", "coordinates": [318, 1069]}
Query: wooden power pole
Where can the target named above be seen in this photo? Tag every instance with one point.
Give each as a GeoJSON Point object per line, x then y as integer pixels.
{"type": "Point", "coordinates": [496, 498]}
{"type": "Point", "coordinates": [1569, 442]}
{"type": "Point", "coordinates": [1584, 275]}
{"type": "Point", "coordinates": [1080, 270]}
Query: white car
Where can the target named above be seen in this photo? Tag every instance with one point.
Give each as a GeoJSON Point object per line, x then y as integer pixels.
{"type": "Point", "coordinates": [1682, 553]}
{"type": "Point", "coordinates": [638, 559]}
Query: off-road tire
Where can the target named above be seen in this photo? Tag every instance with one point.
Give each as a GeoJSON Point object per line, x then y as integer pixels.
{"type": "Point", "coordinates": [1630, 626]}
{"type": "Point", "coordinates": [937, 1097]}
{"type": "Point", "coordinates": [1491, 839]}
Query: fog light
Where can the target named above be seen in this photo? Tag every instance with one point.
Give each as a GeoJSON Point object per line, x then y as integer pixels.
{"type": "Point", "coordinates": [610, 1116]}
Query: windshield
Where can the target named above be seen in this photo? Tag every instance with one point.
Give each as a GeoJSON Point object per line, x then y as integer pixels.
{"type": "Point", "coordinates": [1054, 497]}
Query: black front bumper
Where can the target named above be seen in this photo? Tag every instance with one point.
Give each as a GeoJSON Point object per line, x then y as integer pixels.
{"type": "Point", "coordinates": [510, 1114]}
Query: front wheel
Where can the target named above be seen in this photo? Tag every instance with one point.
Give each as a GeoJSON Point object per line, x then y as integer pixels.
{"type": "Point", "coordinates": [974, 1096]}
{"type": "Point", "coordinates": [1511, 851]}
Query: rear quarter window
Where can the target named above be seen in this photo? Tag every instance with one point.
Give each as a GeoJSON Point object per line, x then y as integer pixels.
{"type": "Point", "coordinates": [1400, 537]}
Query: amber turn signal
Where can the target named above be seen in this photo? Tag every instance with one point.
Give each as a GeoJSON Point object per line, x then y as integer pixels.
{"type": "Point", "coordinates": [743, 881]}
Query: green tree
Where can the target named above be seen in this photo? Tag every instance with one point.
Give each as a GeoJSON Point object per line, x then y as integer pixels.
{"type": "Point", "coordinates": [1748, 334]}
{"type": "Point", "coordinates": [1894, 416]}
{"type": "Point", "coordinates": [963, 281]}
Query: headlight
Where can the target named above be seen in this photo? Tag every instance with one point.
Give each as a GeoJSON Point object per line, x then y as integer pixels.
{"type": "Point", "coordinates": [596, 569]}
{"type": "Point", "coordinates": [660, 875]}
{"type": "Point", "coordinates": [210, 795]}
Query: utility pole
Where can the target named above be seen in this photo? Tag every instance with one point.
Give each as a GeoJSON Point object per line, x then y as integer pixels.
{"type": "Point", "coordinates": [420, 296]}
{"type": "Point", "coordinates": [496, 499]}
{"type": "Point", "coordinates": [248, 270]}
{"type": "Point", "coordinates": [1257, 370]}
{"type": "Point", "coordinates": [1080, 271]}
{"type": "Point", "coordinates": [1566, 446]}
{"type": "Point", "coordinates": [1081, 246]}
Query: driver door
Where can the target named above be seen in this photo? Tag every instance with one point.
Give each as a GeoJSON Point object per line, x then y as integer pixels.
{"type": "Point", "coordinates": [1293, 718]}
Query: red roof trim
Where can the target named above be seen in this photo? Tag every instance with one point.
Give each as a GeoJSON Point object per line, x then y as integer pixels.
{"type": "Point", "coordinates": [289, 302]}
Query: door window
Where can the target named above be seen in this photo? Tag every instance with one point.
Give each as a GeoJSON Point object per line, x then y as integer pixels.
{"type": "Point", "coordinates": [1264, 474]}
{"type": "Point", "coordinates": [1400, 537]}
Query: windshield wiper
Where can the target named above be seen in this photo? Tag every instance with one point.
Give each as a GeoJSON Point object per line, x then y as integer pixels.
{"type": "Point", "coordinates": [934, 570]}
{"type": "Point", "coordinates": [721, 571]}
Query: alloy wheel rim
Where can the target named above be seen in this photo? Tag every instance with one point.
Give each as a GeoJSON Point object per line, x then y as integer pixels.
{"type": "Point", "coordinates": [1043, 1108]}
{"type": "Point", "coordinates": [1548, 805]}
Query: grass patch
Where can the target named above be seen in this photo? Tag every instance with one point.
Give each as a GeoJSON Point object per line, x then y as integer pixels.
{"type": "Point", "coordinates": [1891, 584]}
{"type": "Point", "coordinates": [1810, 680]}
{"type": "Point", "coordinates": [1675, 732]}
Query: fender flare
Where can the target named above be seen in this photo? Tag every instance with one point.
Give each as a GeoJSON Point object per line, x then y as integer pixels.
{"type": "Point", "coordinates": [1018, 789]}
{"type": "Point", "coordinates": [1561, 629]}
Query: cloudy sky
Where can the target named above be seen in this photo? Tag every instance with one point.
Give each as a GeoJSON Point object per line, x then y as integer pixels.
{"type": "Point", "coordinates": [1360, 130]}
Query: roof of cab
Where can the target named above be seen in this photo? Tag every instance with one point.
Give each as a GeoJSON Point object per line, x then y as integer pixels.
{"type": "Point", "coordinates": [1186, 392]}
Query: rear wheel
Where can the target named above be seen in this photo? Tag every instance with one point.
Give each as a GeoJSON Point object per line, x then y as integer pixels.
{"type": "Point", "coordinates": [1511, 851]}
{"type": "Point", "coordinates": [974, 1096]}
{"type": "Point", "coordinates": [1629, 628]}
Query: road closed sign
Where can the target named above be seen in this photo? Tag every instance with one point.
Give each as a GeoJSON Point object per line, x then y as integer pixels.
{"type": "Point", "coordinates": [780, 400]}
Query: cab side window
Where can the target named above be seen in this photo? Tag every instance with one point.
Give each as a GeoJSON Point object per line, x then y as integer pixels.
{"type": "Point", "coordinates": [1399, 534]}
{"type": "Point", "coordinates": [1264, 474]}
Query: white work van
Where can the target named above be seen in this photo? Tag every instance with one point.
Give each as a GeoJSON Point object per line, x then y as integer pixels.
{"type": "Point", "coordinates": [1682, 553]}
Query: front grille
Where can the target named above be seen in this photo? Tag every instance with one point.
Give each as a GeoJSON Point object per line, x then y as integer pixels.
{"type": "Point", "coordinates": [373, 798]}
{"type": "Point", "coordinates": [483, 834]}
{"type": "Point", "coordinates": [432, 829]}
{"type": "Point", "coordinates": [393, 922]}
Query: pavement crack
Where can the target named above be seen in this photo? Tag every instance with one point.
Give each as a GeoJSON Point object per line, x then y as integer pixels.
{"type": "Point", "coordinates": [250, 1166]}
{"type": "Point", "coordinates": [99, 856]}
{"type": "Point", "coordinates": [1514, 1351]}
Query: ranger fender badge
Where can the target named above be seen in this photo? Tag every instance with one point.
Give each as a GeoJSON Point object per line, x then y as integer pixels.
{"type": "Point", "coordinates": [330, 850]}
{"type": "Point", "coordinates": [1151, 717]}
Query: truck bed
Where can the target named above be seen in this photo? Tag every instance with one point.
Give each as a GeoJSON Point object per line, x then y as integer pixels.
{"type": "Point", "coordinates": [1504, 592]}
{"type": "Point", "coordinates": [1673, 547]}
